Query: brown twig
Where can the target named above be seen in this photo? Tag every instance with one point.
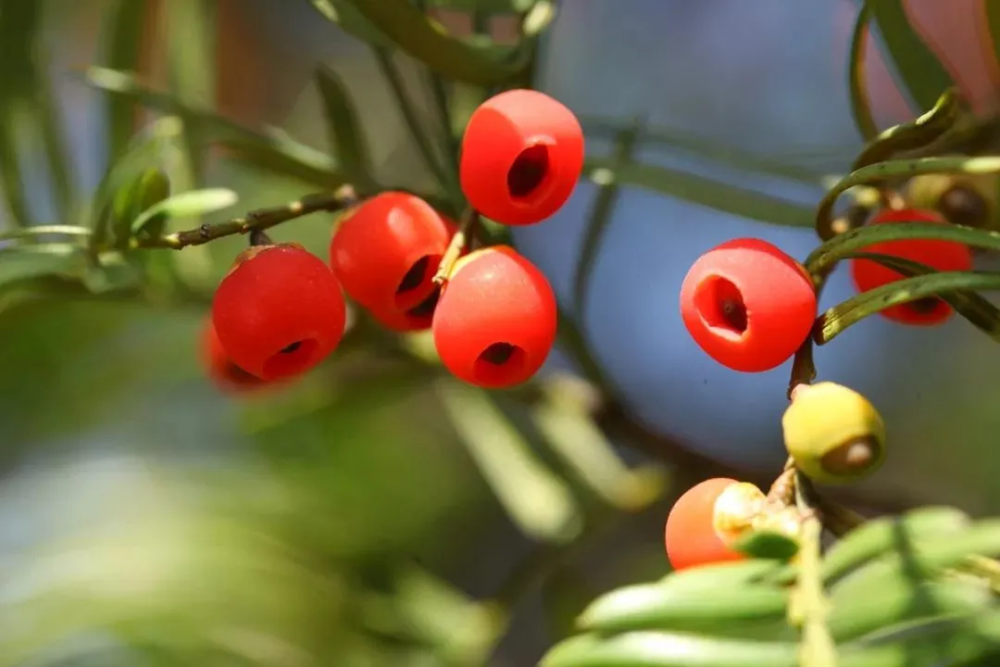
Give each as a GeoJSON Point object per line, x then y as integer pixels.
{"type": "Point", "coordinates": [254, 221]}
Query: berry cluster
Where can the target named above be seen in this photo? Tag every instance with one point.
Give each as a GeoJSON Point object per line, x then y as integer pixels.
{"type": "Point", "coordinates": [833, 435]}
{"type": "Point", "coordinates": [281, 310]}
{"type": "Point", "coordinates": [750, 306]}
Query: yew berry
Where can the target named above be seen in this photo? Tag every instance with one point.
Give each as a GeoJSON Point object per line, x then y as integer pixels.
{"type": "Point", "coordinates": [522, 154]}
{"type": "Point", "coordinates": [707, 519]}
{"type": "Point", "coordinates": [386, 250]}
{"type": "Point", "coordinates": [405, 321]}
{"type": "Point", "coordinates": [226, 375]}
{"type": "Point", "coordinates": [748, 304]}
{"type": "Point", "coordinates": [834, 434]}
{"type": "Point", "coordinates": [279, 312]}
{"type": "Point", "coordinates": [496, 320]}
{"type": "Point", "coordinates": [939, 255]}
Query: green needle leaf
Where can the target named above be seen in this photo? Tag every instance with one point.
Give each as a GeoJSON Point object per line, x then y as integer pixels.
{"type": "Point", "coordinates": [538, 502]}
{"type": "Point", "coordinates": [992, 22]}
{"type": "Point", "coordinates": [702, 191]}
{"type": "Point", "coordinates": [425, 39]}
{"type": "Point", "coordinates": [185, 205]}
{"type": "Point", "coordinates": [122, 37]}
{"type": "Point", "coordinates": [835, 320]}
{"type": "Point", "coordinates": [767, 544]}
{"type": "Point", "coordinates": [921, 72]}
{"type": "Point", "coordinates": [346, 133]}
{"type": "Point", "coordinates": [980, 312]}
{"type": "Point", "coordinates": [861, 107]}
{"type": "Point", "coordinates": [19, 263]}
{"type": "Point", "coordinates": [352, 21]}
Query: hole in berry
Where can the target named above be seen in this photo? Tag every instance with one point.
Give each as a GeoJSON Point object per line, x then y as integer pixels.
{"type": "Point", "coordinates": [418, 283]}
{"type": "Point", "coordinates": [528, 173]}
{"type": "Point", "coordinates": [926, 306]}
{"type": "Point", "coordinates": [292, 359]}
{"type": "Point", "coordinates": [427, 306]}
{"type": "Point", "coordinates": [498, 363]}
{"type": "Point", "coordinates": [720, 305]}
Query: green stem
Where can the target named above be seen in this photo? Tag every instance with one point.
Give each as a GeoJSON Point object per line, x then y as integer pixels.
{"type": "Point", "coordinates": [44, 230]}
{"type": "Point", "coordinates": [810, 606]}
{"type": "Point", "coordinates": [424, 145]}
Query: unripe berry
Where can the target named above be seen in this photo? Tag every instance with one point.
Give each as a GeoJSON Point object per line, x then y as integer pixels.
{"type": "Point", "coordinates": [386, 250]}
{"type": "Point", "coordinates": [219, 368]}
{"type": "Point", "coordinates": [496, 321]}
{"type": "Point", "coordinates": [939, 255]}
{"type": "Point", "coordinates": [748, 305]}
{"type": "Point", "coordinates": [708, 519]}
{"type": "Point", "coordinates": [966, 199]}
{"type": "Point", "coordinates": [833, 433]}
{"type": "Point", "coordinates": [522, 154]}
{"type": "Point", "coordinates": [279, 312]}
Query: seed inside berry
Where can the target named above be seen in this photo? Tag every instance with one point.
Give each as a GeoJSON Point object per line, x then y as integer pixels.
{"type": "Point", "coordinates": [528, 172]}
{"type": "Point", "coordinates": [963, 205]}
{"type": "Point", "coordinates": [498, 361]}
{"type": "Point", "coordinates": [926, 306]}
{"type": "Point", "coordinates": [721, 306]}
{"type": "Point", "coordinates": [292, 359]}
{"type": "Point", "coordinates": [853, 456]}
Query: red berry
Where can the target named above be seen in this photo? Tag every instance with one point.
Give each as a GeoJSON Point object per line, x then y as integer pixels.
{"type": "Point", "coordinates": [279, 312]}
{"type": "Point", "coordinates": [940, 255]}
{"type": "Point", "coordinates": [226, 375]}
{"type": "Point", "coordinates": [386, 250]}
{"type": "Point", "coordinates": [405, 321]}
{"type": "Point", "coordinates": [705, 521]}
{"type": "Point", "coordinates": [748, 305]}
{"type": "Point", "coordinates": [522, 155]}
{"type": "Point", "coordinates": [496, 321]}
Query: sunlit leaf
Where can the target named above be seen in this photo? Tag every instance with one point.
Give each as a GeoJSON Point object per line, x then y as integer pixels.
{"type": "Point", "coordinates": [921, 72]}
{"type": "Point", "coordinates": [768, 545]}
{"type": "Point", "coordinates": [426, 40]}
{"type": "Point", "coordinates": [703, 191]}
{"type": "Point", "coordinates": [184, 205]}
{"type": "Point", "coordinates": [536, 499]}
{"type": "Point", "coordinates": [149, 188]}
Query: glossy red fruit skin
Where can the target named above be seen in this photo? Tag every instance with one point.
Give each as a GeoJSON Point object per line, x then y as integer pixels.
{"type": "Point", "coordinates": [941, 255]}
{"type": "Point", "coordinates": [494, 295]}
{"type": "Point", "coordinates": [503, 128]}
{"type": "Point", "coordinates": [754, 277]}
{"type": "Point", "coordinates": [278, 296]}
{"type": "Point", "coordinates": [226, 375]}
{"type": "Point", "coordinates": [380, 241]}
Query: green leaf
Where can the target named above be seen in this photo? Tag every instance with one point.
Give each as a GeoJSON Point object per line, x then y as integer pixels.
{"type": "Point", "coordinates": [980, 312]}
{"type": "Point", "coordinates": [571, 433]}
{"type": "Point", "coordinates": [663, 649]}
{"type": "Point", "coordinates": [346, 133]}
{"type": "Point", "coordinates": [185, 205]}
{"type": "Point", "coordinates": [536, 500]}
{"type": "Point", "coordinates": [703, 191]}
{"type": "Point", "coordinates": [148, 189]}
{"type": "Point", "coordinates": [767, 544]}
{"type": "Point", "coordinates": [900, 601]}
{"type": "Point", "coordinates": [902, 170]}
{"type": "Point", "coordinates": [600, 215]}
{"type": "Point", "coordinates": [426, 40]}
{"type": "Point", "coordinates": [488, 6]}
{"type": "Point", "coordinates": [705, 148]}
{"type": "Point", "coordinates": [878, 537]}
{"type": "Point", "coordinates": [921, 72]}
{"type": "Point", "coordinates": [122, 41]}
{"type": "Point", "coordinates": [18, 263]}
{"type": "Point", "coordinates": [270, 149]}
{"type": "Point", "coordinates": [861, 107]}
{"type": "Point", "coordinates": [352, 21]}
{"type": "Point", "coordinates": [661, 606]}
{"type": "Point", "coordinates": [838, 318]}
{"type": "Point", "coordinates": [565, 594]}
{"type": "Point", "coordinates": [921, 132]}
{"type": "Point", "coordinates": [724, 575]}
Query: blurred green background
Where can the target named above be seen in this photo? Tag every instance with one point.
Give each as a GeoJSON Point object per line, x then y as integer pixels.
{"type": "Point", "coordinates": [378, 513]}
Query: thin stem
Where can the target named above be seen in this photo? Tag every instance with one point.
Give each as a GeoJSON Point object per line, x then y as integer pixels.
{"type": "Point", "coordinates": [454, 251]}
{"type": "Point", "coordinates": [259, 220]}
{"type": "Point", "coordinates": [406, 108]}
{"type": "Point", "coordinates": [810, 606]}
{"type": "Point", "coordinates": [44, 230]}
